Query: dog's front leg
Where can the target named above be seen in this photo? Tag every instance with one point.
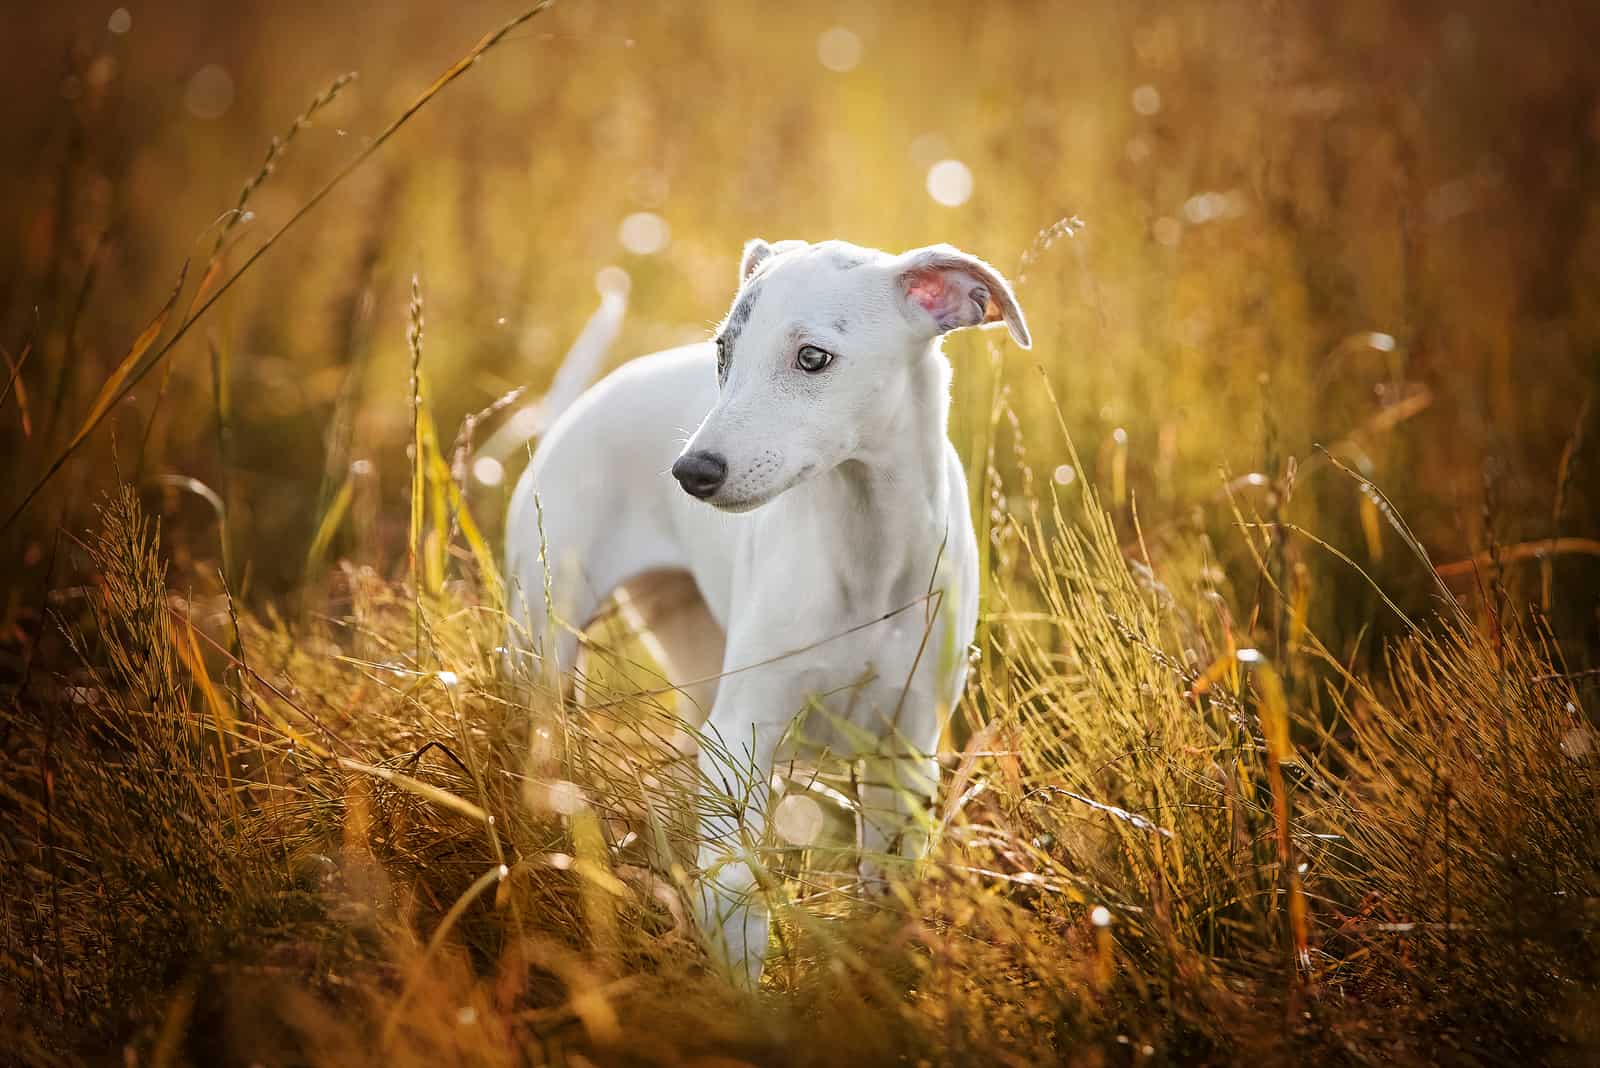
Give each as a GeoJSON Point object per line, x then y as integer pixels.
{"type": "Point", "coordinates": [735, 786]}
{"type": "Point", "coordinates": [894, 792]}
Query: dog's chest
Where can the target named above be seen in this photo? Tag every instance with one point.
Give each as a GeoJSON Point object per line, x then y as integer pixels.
{"type": "Point", "coordinates": [847, 616]}
{"type": "Point", "coordinates": [848, 663]}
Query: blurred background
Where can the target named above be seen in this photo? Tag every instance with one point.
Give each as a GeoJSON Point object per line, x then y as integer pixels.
{"type": "Point", "coordinates": [1240, 230]}
{"type": "Point", "coordinates": [1315, 297]}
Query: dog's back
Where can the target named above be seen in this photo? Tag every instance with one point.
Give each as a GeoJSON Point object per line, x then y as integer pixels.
{"type": "Point", "coordinates": [598, 505]}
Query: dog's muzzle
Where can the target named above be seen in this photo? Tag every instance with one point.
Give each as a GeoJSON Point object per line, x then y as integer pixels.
{"type": "Point", "coordinates": [700, 474]}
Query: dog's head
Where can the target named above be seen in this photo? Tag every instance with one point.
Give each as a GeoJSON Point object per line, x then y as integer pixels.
{"type": "Point", "coordinates": [818, 355]}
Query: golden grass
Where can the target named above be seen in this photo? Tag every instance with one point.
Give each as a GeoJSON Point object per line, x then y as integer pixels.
{"type": "Point", "coordinates": [1241, 774]}
{"type": "Point", "coordinates": [1357, 871]}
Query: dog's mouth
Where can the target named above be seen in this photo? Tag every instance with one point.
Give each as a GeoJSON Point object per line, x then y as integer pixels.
{"type": "Point", "coordinates": [741, 505]}
{"type": "Point", "coordinates": [743, 500]}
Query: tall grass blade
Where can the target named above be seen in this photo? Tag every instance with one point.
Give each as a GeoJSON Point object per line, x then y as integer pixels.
{"type": "Point", "coordinates": [112, 389]}
{"type": "Point", "coordinates": [14, 383]}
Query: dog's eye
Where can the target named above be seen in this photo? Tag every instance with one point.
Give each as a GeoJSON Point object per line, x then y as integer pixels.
{"type": "Point", "coordinates": [811, 359]}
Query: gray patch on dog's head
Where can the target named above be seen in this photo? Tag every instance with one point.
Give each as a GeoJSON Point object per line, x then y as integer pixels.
{"type": "Point", "coordinates": [840, 326]}
{"type": "Point", "coordinates": [740, 315]}
{"type": "Point", "coordinates": [847, 261]}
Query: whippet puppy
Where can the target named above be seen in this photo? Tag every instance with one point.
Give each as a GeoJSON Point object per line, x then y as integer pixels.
{"type": "Point", "coordinates": [818, 508]}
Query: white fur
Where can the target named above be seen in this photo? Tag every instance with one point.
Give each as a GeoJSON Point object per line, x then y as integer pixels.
{"type": "Point", "coordinates": [836, 565]}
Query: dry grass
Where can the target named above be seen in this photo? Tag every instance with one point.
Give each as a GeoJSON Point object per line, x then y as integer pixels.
{"type": "Point", "coordinates": [1241, 775]}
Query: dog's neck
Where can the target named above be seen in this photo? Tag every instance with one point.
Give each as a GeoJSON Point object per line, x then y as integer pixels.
{"type": "Point", "coordinates": [886, 511]}
{"type": "Point", "coordinates": [905, 469]}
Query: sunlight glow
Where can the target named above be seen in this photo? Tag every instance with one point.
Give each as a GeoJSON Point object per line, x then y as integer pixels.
{"type": "Point", "coordinates": [565, 797]}
{"type": "Point", "coordinates": [488, 471]}
{"type": "Point", "coordinates": [209, 94]}
{"type": "Point", "coordinates": [644, 233]}
{"type": "Point", "coordinates": [527, 422]}
{"type": "Point", "coordinates": [838, 49]}
{"type": "Point", "coordinates": [950, 182]}
{"type": "Point", "coordinates": [798, 819]}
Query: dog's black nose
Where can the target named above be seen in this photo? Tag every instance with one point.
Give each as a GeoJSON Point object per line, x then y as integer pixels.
{"type": "Point", "coordinates": [700, 473]}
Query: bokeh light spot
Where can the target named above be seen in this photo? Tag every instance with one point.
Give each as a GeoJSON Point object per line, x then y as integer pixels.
{"type": "Point", "coordinates": [1206, 207]}
{"type": "Point", "coordinates": [798, 819]}
{"type": "Point", "coordinates": [838, 49]}
{"type": "Point", "coordinates": [950, 182]}
{"type": "Point", "coordinates": [644, 233]}
{"type": "Point", "coordinates": [488, 471]}
{"type": "Point", "coordinates": [121, 21]}
{"type": "Point", "coordinates": [1146, 100]}
{"type": "Point", "coordinates": [210, 93]}
{"type": "Point", "coordinates": [565, 797]}
{"type": "Point", "coordinates": [1065, 475]}
{"type": "Point", "coordinates": [1199, 208]}
{"type": "Point", "coordinates": [527, 422]}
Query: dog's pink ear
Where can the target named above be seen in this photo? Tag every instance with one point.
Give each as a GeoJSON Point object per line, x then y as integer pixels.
{"type": "Point", "coordinates": [949, 289]}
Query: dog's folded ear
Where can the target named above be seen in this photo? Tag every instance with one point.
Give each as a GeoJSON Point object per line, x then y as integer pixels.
{"type": "Point", "coordinates": [757, 252]}
{"type": "Point", "coordinates": [947, 289]}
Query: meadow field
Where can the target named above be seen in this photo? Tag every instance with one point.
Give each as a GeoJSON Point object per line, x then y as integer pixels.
{"type": "Point", "coordinates": [1282, 739]}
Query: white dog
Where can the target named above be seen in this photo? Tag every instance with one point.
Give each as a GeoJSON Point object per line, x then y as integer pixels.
{"type": "Point", "coordinates": [823, 518]}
